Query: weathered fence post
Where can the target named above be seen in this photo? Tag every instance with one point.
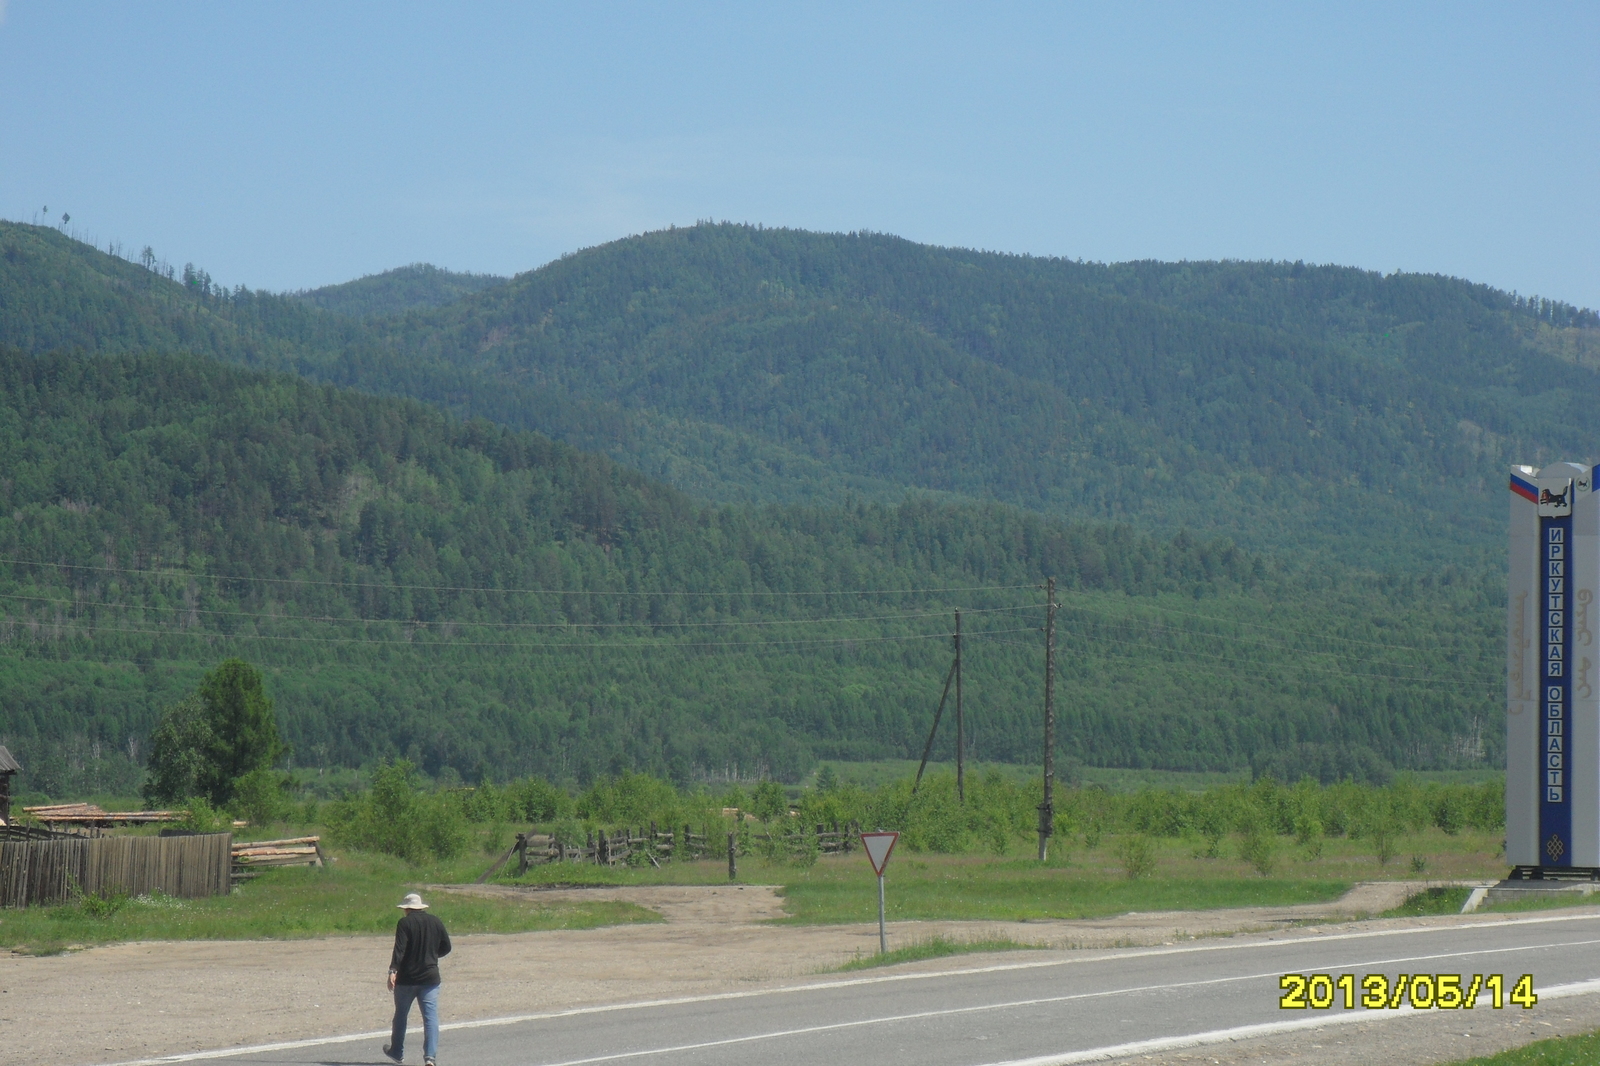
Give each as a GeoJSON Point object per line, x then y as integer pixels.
{"type": "Point", "coordinates": [733, 862]}
{"type": "Point", "coordinates": [522, 854]}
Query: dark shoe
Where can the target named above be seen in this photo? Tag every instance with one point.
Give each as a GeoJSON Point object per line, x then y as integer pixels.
{"type": "Point", "coordinates": [391, 1056]}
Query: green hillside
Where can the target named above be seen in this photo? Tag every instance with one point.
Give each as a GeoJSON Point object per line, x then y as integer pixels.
{"type": "Point", "coordinates": [1284, 405]}
{"type": "Point", "coordinates": [1362, 417]}
{"type": "Point", "coordinates": [487, 601]}
{"type": "Point", "coordinates": [397, 291]}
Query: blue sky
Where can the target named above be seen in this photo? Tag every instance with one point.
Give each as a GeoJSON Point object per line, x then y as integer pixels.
{"type": "Point", "coordinates": [291, 145]}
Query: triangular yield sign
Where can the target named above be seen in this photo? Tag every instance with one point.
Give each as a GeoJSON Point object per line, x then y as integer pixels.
{"type": "Point", "coordinates": [878, 846]}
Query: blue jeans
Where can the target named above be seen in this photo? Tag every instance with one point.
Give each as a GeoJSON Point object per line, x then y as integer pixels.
{"type": "Point", "coordinates": [428, 997]}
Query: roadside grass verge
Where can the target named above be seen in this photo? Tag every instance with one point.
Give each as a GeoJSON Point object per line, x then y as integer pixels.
{"type": "Point", "coordinates": [936, 947]}
{"type": "Point", "coordinates": [1555, 901]}
{"type": "Point", "coordinates": [1436, 899]}
{"type": "Point", "coordinates": [1558, 1051]}
{"type": "Point", "coordinates": [356, 895]}
{"type": "Point", "coordinates": [950, 892]}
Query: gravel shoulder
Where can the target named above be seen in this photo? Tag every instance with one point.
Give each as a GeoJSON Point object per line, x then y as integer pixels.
{"type": "Point", "coordinates": [134, 1001]}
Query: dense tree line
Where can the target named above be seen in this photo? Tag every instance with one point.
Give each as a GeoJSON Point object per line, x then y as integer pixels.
{"type": "Point", "coordinates": [485, 600]}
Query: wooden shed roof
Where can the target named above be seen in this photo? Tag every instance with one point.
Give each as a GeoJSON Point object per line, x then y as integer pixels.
{"type": "Point", "coordinates": [8, 765]}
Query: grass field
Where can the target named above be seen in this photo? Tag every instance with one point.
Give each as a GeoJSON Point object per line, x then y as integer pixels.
{"type": "Point", "coordinates": [356, 895]}
{"type": "Point", "coordinates": [1560, 1051]}
{"type": "Point", "coordinates": [1077, 882]}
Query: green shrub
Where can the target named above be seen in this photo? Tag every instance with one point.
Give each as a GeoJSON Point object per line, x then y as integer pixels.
{"type": "Point", "coordinates": [1259, 847]}
{"type": "Point", "coordinates": [569, 833]}
{"type": "Point", "coordinates": [1380, 824]}
{"type": "Point", "coordinates": [261, 797]}
{"type": "Point", "coordinates": [769, 803]}
{"type": "Point", "coordinates": [394, 817]}
{"type": "Point", "coordinates": [200, 817]}
{"type": "Point", "coordinates": [1137, 855]}
{"type": "Point", "coordinates": [102, 906]}
{"type": "Point", "coordinates": [537, 800]}
{"type": "Point", "coordinates": [1450, 810]}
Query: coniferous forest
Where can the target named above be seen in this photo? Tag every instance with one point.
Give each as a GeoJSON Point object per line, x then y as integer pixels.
{"type": "Point", "coordinates": [703, 502]}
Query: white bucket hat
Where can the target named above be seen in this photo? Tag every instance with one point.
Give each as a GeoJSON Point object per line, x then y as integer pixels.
{"type": "Point", "coordinates": [412, 902]}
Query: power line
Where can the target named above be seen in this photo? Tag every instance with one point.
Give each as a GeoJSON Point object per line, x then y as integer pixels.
{"type": "Point", "coordinates": [1267, 643]}
{"type": "Point", "coordinates": [597, 646]}
{"type": "Point", "coordinates": [1252, 625]}
{"type": "Point", "coordinates": [506, 591]}
{"type": "Point", "coordinates": [1327, 671]}
{"type": "Point", "coordinates": [441, 623]}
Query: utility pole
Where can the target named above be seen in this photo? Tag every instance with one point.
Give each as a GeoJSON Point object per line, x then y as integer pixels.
{"type": "Point", "coordinates": [927, 749]}
{"type": "Point", "coordinates": [961, 736]}
{"type": "Point", "coordinates": [1047, 809]}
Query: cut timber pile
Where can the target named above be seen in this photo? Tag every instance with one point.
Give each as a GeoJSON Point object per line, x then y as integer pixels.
{"type": "Point", "coordinates": [295, 851]}
{"type": "Point", "coordinates": [93, 814]}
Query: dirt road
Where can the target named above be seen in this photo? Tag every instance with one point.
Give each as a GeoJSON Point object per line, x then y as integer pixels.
{"type": "Point", "coordinates": [136, 1001]}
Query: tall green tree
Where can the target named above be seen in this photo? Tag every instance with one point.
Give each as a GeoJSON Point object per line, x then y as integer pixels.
{"type": "Point", "coordinates": [243, 727]}
{"type": "Point", "coordinates": [177, 752]}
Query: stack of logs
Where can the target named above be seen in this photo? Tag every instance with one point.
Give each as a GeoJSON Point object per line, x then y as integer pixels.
{"type": "Point", "coordinates": [92, 814]}
{"type": "Point", "coordinates": [294, 851]}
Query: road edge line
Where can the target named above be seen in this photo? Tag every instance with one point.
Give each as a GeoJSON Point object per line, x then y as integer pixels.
{"type": "Point", "coordinates": [1247, 1032]}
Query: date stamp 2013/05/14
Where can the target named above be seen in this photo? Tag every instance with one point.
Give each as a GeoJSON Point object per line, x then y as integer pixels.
{"type": "Point", "coordinates": [1423, 991]}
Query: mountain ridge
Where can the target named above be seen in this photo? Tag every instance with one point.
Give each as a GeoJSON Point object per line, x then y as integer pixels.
{"type": "Point", "coordinates": [829, 419]}
{"type": "Point", "coordinates": [749, 364]}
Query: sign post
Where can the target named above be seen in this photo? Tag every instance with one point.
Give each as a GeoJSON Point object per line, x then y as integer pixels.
{"type": "Point", "coordinates": [1552, 689]}
{"type": "Point", "coordinates": [878, 846]}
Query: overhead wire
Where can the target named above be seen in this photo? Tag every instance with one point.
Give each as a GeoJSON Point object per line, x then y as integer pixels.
{"type": "Point", "coordinates": [1299, 666]}
{"type": "Point", "coordinates": [509, 591]}
{"type": "Point", "coordinates": [440, 623]}
{"type": "Point", "coordinates": [596, 646]}
{"type": "Point", "coordinates": [1346, 656]}
{"type": "Point", "coordinates": [1240, 622]}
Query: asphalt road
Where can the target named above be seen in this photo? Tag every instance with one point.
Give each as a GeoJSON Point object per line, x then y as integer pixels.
{"type": "Point", "coordinates": [1024, 1008]}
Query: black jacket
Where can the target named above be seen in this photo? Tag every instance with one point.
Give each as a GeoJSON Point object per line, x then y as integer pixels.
{"type": "Point", "coordinates": [420, 941]}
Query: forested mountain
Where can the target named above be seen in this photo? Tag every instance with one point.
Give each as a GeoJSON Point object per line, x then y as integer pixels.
{"type": "Point", "coordinates": [1286, 405]}
{"type": "Point", "coordinates": [485, 600]}
{"type": "Point", "coordinates": [1365, 417]}
{"type": "Point", "coordinates": [397, 291]}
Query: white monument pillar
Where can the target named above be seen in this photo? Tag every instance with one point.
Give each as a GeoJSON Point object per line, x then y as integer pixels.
{"type": "Point", "coordinates": [1552, 711]}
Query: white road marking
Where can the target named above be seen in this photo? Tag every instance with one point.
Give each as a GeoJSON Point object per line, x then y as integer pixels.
{"type": "Point", "coordinates": [815, 986]}
{"type": "Point", "coordinates": [1265, 1029]}
{"type": "Point", "coordinates": [1245, 1032]}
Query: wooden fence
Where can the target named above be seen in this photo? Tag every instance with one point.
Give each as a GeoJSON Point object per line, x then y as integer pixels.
{"type": "Point", "coordinates": [654, 845]}
{"type": "Point", "coordinates": [658, 846]}
{"type": "Point", "coordinates": [58, 871]}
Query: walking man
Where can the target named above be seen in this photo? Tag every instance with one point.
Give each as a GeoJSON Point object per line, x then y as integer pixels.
{"type": "Point", "coordinates": [420, 941]}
